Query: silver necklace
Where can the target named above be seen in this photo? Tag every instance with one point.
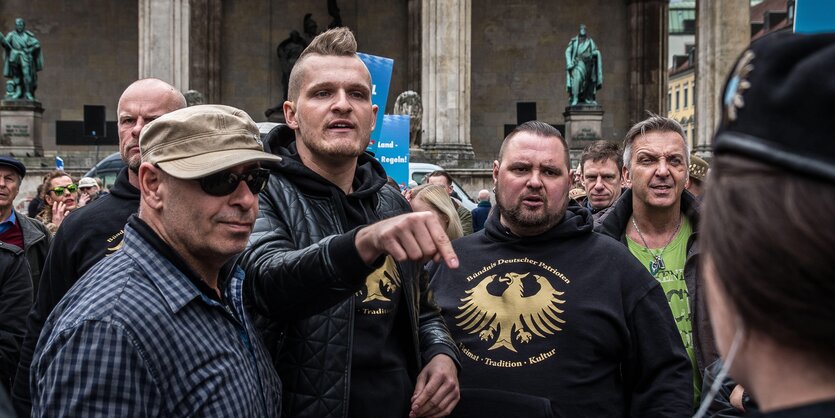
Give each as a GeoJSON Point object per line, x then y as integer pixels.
{"type": "Point", "coordinates": [657, 263]}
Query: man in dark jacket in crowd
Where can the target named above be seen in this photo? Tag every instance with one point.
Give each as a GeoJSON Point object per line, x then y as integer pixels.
{"type": "Point", "coordinates": [482, 210]}
{"type": "Point", "coordinates": [553, 319]}
{"type": "Point", "coordinates": [657, 220]}
{"type": "Point", "coordinates": [16, 228]}
{"type": "Point", "coordinates": [335, 259]}
{"type": "Point", "coordinates": [15, 301]}
{"type": "Point", "coordinates": [601, 163]}
{"type": "Point", "coordinates": [95, 232]}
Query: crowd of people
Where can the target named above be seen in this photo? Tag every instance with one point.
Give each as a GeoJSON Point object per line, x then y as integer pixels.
{"type": "Point", "coordinates": [223, 275]}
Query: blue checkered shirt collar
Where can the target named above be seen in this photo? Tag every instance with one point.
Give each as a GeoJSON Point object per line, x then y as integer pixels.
{"type": "Point", "coordinates": [173, 284]}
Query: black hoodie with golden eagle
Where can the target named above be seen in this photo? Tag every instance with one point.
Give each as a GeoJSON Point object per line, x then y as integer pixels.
{"type": "Point", "coordinates": [567, 318]}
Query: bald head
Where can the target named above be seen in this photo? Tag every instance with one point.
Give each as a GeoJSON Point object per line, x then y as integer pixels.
{"type": "Point", "coordinates": [143, 101]}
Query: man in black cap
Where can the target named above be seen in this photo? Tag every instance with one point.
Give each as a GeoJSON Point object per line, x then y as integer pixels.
{"type": "Point", "coordinates": [15, 277]}
{"type": "Point", "coordinates": [768, 262]}
{"type": "Point", "coordinates": [16, 228]}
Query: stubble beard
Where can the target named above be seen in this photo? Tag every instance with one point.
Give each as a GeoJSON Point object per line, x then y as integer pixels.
{"type": "Point", "coordinates": [338, 151]}
{"type": "Point", "coordinates": [541, 220]}
{"type": "Point", "coordinates": [134, 163]}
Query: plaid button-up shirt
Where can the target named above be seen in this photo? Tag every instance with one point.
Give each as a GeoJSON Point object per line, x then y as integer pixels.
{"type": "Point", "coordinates": [136, 338]}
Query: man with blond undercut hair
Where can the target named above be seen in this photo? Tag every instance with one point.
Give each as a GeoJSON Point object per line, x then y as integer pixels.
{"type": "Point", "coordinates": [335, 262]}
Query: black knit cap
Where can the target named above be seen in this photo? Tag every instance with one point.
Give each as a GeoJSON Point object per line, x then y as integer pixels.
{"type": "Point", "coordinates": [778, 104]}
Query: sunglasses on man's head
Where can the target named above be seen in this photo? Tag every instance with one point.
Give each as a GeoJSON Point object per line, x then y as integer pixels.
{"type": "Point", "coordinates": [59, 191]}
{"type": "Point", "coordinates": [226, 182]}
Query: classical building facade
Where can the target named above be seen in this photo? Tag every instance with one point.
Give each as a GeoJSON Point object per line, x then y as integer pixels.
{"type": "Point", "coordinates": [681, 93]}
{"type": "Point", "coordinates": [470, 61]}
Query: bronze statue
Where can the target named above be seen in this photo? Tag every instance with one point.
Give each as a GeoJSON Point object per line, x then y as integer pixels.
{"type": "Point", "coordinates": [288, 52]}
{"type": "Point", "coordinates": [24, 59]}
{"type": "Point", "coordinates": [290, 49]}
{"type": "Point", "coordinates": [584, 69]}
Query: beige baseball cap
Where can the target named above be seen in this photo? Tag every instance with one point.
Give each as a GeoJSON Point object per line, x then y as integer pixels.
{"type": "Point", "coordinates": [87, 182]}
{"type": "Point", "coordinates": [197, 141]}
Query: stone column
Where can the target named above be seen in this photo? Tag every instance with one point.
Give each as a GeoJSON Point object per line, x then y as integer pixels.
{"type": "Point", "coordinates": [723, 31]}
{"type": "Point", "coordinates": [445, 80]}
{"type": "Point", "coordinates": [647, 57]}
{"type": "Point", "coordinates": [204, 48]}
{"type": "Point", "coordinates": [414, 30]}
{"type": "Point", "coordinates": [164, 41]}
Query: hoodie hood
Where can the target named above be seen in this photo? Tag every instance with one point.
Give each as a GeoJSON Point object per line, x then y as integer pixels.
{"type": "Point", "coordinates": [577, 221]}
{"type": "Point", "coordinates": [355, 208]}
{"type": "Point", "coordinates": [369, 176]}
{"type": "Point", "coordinates": [122, 187]}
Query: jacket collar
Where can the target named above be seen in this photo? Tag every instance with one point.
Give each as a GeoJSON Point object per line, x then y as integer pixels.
{"type": "Point", "coordinates": [576, 221]}
{"type": "Point", "coordinates": [122, 187]}
{"type": "Point", "coordinates": [31, 233]}
{"type": "Point", "coordinates": [617, 219]}
{"type": "Point", "coordinates": [173, 284]}
{"type": "Point", "coordinates": [11, 248]}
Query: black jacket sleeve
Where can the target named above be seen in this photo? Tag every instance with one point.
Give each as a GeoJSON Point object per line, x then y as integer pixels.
{"type": "Point", "coordinates": [657, 373]}
{"type": "Point", "coordinates": [286, 280]}
{"type": "Point", "coordinates": [15, 301]}
{"type": "Point", "coordinates": [433, 333]}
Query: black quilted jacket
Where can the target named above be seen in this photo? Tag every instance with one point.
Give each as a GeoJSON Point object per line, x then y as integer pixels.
{"type": "Point", "coordinates": [301, 295]}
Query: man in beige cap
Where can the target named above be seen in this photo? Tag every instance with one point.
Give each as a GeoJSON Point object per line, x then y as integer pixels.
{"type": "Point", "coordinates": [698, 170]}
{"type": "Point", "coordinates": [158, 328]}
{"type": "Point", "coordinates": [89, 235]}
{"type": "Point", "coordinates": [88, 191]}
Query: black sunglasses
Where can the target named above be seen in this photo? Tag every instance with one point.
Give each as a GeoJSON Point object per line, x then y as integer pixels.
{"type": "Point", "coordinates": [225, 182]}
{"type": "Point", "coordinates": [59, 191]}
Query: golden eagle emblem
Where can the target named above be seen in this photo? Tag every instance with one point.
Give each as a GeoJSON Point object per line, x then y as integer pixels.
{"type": "Point", "coordinates": [484, 313]}
{"type": "Point", "coordinates": [386, 277]}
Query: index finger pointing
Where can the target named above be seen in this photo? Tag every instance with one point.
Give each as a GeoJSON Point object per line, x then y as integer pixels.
{"type": "Point", "coordinates": [443, 245]}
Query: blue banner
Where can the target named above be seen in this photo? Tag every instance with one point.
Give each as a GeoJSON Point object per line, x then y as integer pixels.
{"type": "Point", "coordinates": [393, 148]}
{"type": "Point", "coordinates": [380, 69]}
{"type": "Point", "coordinates": [814, 16]}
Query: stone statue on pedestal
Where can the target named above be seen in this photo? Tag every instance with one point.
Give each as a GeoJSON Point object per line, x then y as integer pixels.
{"type": "Point", "coordinates": [584, 70]}
{"type": "Point", "coordinates": [408, 103]}
{"type": "Point", "coordinates": [24, 59]}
